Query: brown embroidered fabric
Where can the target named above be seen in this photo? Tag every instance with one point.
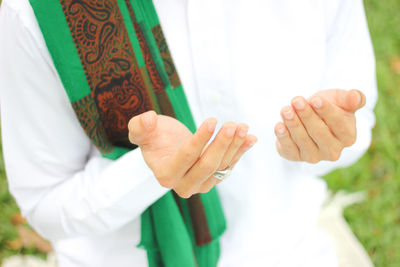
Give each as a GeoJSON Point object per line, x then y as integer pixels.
{"type": "Point", "coordinates": [109, 62]}
{"type": "Point", "coordinates": [166, 55]}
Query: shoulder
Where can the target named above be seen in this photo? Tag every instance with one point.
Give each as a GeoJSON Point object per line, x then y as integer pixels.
{"type": "Point", "coordinates": [19, 13]}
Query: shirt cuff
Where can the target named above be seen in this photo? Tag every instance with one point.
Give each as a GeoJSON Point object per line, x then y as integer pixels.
{"type": "Point", "coordinates": [127, 184]}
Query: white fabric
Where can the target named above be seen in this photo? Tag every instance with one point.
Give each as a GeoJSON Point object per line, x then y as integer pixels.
{"type": "Point", "coordinates": [239, 60]}
{"type": "Point", "coordinates": [350, 251]}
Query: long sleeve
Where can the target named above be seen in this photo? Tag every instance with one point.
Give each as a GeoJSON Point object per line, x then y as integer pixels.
{"type": "Point", "coordinates": [350, 64]}
{"type": "Point", "coordinates": [59, 179]}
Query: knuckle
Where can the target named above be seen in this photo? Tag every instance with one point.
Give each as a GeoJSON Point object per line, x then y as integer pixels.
{"type": "Point", "coordinates": [313, 159]}
{"type": "Point", "coordinates": [163, 174]}
{"type": "Point", "coordinates": [166, 182]}
{"type": "Point", "coordinates": [349, 140]}
{"type": "Point", "coordinates": [205, 190]}
{"type": "Point", "coordinates": [334, 154]}
{"type": "Point", "coordinates": [184, 193]}
{"type": "Point", "coordinates": [348, 128]}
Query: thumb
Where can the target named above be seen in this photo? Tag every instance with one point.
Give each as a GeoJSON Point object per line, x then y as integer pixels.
{"type": "Point", "coordinates": [351, 100]}
{"type": "Point", "coordinates": [141, 126]}
{"type": "Point", "coordinates": [355, 100]}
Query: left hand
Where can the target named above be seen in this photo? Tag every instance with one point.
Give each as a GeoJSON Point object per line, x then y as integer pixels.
{"type": "Point", "coordinates": [320, 127]}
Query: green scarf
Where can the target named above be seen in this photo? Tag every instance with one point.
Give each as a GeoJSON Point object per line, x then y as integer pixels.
{"type": "Point", "coordinates": [114, 63]}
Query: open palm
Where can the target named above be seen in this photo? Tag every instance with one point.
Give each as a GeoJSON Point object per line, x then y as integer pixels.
{"type": "Point", "coordinates": [166, 138]}
{"type": "Point", "coordinates": [319, 128]}
{"type": "Point", "coordinates": [183, 161]}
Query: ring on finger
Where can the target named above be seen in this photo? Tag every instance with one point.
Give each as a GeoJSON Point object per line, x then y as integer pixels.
{"type": "Point", "coordinates": [222, 175]}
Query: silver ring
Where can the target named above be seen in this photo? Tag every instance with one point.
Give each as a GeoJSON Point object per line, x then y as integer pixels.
{"type": "Point", "coordinates": [222, 175]}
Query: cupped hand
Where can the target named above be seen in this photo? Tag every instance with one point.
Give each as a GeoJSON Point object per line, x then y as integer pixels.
{"type": "Point", "coordinates": [319, 128]}
{"type": "Point", "coordinates": [183, 161]}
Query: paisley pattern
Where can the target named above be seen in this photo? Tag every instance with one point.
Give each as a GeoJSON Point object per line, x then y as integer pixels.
{"type": "Point", "coordinates": [166, 56]}
{"type": "Point", "coordinates": [155, 77]}
{"type": "Point", "coordinates": [153, 72]}
{"type": "Point", "coordinates": [110, 65]}
{"type": "Point", "coordinates": [86, 110]}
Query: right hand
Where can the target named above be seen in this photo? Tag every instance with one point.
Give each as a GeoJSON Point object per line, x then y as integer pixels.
{"type": "Point", "coordinates": [183, 161]}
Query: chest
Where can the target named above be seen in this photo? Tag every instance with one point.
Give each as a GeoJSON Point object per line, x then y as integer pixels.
{"type": "Point", "coordinates": [246, 55]}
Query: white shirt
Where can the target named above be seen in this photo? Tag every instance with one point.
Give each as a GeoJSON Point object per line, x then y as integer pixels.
{"type": "Point", "coordinates": [239, 60]}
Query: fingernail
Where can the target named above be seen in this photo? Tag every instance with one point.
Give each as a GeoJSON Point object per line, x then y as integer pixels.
{"type": "Point", "coordinates": [243, 132]}
{"type": "Point", "coordinates": [211, 126]}
{"type": "Point", "coordinates": [288, 113]}
{"type": "Point", "coordinates": [316, 102]}
{"type": "Point", "coordinates": [358, 98]}
{"type": "Point", "coordinates": [280, 131]}
{"type": "Point", "coordinates": [148, 120]}
{"type": "Point", "coordinates": [230, 131]}
{"type": "Point", "coordinates": [299, 103]}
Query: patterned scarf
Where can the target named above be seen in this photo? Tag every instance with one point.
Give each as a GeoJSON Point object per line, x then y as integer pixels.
{"type": "Point", "coordinates": [114, 63]}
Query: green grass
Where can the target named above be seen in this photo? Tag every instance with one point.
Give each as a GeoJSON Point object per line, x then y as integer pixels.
{"type": "Point", "coordinates": [7, 209]}
{"type": "Point", "coordinates": [376, 222]}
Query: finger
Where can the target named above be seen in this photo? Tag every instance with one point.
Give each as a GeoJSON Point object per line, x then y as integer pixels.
{"type": "Point", "coordinates": [349, 100]}
{"type": "Point", "coordinates": [191, 150]}
{"type": "Point", "coordinates": [340, 123]}
{"type": "Point", "coordinates": [208, 162]}
{"type": "Point", "coordinates": [286, 147]}
{"type": "Point", "coordinates": [356, 100]}
{"type": "Point", "coordinates": [248, 143]}
{"type": "Point", "coordinates": [309, 151]}
{"type": "Point", "coordinates": [209, 184]}
{"type": "Point", "coordinates": [141, 126]}
{"type": "Point", "coordinates": [329, 146]}
{"type": "Point", "coordinates": [240, 137]}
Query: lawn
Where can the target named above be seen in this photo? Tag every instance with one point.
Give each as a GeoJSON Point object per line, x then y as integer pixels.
{"type": "Point", "coordinates": [376, 222]}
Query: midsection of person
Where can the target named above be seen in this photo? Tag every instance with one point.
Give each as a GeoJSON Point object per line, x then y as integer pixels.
{"type": "Point", "coordinates": [235, 66]}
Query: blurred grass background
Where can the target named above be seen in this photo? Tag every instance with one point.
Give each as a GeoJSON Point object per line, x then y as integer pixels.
{"type": "Point", "coordinates": [376, 221]}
